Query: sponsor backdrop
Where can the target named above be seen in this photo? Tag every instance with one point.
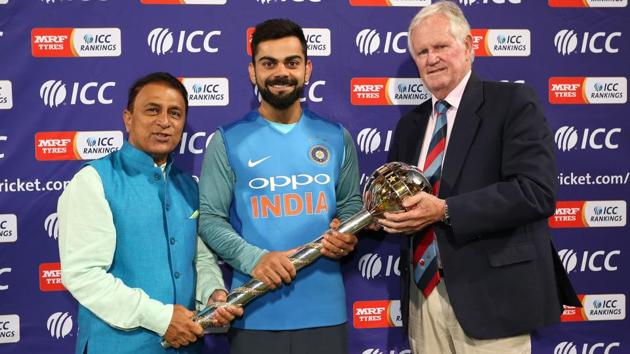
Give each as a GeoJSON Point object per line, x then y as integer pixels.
{"type": "Point", "coordinates": [65, 66]}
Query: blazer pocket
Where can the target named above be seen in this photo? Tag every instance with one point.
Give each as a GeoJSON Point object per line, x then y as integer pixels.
{"type": "Point", "coordinates": [511, 255]}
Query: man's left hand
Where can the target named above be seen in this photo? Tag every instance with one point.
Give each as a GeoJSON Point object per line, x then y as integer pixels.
{"type": "Point", "coordinates": [422, 210]}
{"type": "Point", "coordinates": [223, 315]}
{"type": "Point", "coordinates": [337, 244]}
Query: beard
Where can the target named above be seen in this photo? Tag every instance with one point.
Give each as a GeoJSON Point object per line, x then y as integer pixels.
{"type": "Point", "coordinates": [282, 101]}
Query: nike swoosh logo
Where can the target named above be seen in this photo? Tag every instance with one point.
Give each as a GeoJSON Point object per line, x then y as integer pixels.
{"type": "Point", "coordinates": [251, 163]}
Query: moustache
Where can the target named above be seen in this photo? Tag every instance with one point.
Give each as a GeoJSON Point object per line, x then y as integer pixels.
{"type": "Point", "coordinates": [282, 80]}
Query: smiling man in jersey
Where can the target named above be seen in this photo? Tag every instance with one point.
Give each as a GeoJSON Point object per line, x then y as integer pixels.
{"type": "Point", "coordinates": [275, 180]}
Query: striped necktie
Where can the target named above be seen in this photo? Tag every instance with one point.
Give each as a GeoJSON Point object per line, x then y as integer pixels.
{"type": "Point", "coordinates": [425, 260]}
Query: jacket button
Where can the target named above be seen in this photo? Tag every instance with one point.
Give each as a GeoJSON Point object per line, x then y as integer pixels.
{"type": "Point", "coordinates": [157, 177]}
{"type": "Point", "coordinates": [168, 206]}
{"type": "Point", "coordinates": [172, 240]}
{"type": "Point", "coordinates": [176, 274]}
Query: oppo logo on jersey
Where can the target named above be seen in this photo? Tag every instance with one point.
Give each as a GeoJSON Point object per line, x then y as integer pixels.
{"type": "Point", "coordinates": [294, 181]}
{"type": "Point", "coordinates": [288, 204]}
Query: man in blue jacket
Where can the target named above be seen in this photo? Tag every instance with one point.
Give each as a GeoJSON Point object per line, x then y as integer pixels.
{"type": "Point", "coordinates": [127, 242]}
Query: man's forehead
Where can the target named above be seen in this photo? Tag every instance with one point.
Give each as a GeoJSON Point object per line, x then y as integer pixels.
{"type": "Point", "coordinates": [157, 94]}
{"type": "Point", "coordinates": [280, 49]}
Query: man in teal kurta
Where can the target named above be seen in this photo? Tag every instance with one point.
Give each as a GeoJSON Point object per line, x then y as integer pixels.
{"type": "Point", "coordinates": [128, 245]}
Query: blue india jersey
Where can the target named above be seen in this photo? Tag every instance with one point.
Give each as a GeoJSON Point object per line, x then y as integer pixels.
{"type": "Point", "coordinates": [284, 197]}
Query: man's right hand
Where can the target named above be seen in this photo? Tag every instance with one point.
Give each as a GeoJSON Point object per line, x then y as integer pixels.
{"type": "Point", "coordinates": [273, 268]}
{"type": "Point", "coordinates": [182, 330]}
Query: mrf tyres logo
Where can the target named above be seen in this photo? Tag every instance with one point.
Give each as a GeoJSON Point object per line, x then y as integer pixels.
{"type": "Point", "coordinates": [568, 41]}
{"type": "Point", "coordinates": [76, 42]}
{"type": "Point", "coordinates": [383, 91]}
{"type": "Point", "coordinates": [592, 213]}
{"type": "Point", "coordinates": [163, 41]}
{"type": "Point", "coordinates": [376, 314]}
{"type": "Point", "coordinates": [569, 138]}
{"type": "Point", "coordinates": [599, 307]}
{"type": "Point", "coordinates": [55, 146]}
{"type": "Point", "coordinates": [50, 277]}
{"type": "Point", "coordinates": [588, 90]}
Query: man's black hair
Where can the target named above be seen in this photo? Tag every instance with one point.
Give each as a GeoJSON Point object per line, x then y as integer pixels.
{"type": "Point", "coordinates": [277, 28]}
{"type": "Point", "coordinates": [157, 77]}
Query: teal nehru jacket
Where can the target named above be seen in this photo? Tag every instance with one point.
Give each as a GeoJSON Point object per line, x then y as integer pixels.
{"type": "Point", "coordinates": [154, 215]}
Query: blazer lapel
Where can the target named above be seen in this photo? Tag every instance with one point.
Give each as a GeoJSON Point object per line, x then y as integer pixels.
{"type": "Point", "coordinates": [464, 130]}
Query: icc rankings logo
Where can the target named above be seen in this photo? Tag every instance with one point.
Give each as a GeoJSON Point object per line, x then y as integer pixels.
{"type": "Point", "coordinates": [9, 329]}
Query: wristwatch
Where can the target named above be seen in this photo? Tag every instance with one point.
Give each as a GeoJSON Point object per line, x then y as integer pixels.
{"type": "Point", "coordinates": [446, 218]}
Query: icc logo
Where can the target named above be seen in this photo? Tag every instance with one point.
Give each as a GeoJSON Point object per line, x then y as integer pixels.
{"type": "Point", "coordinates": [160, 40]}
{"type": "Point", "coordinates": [472, 2]}
{"type": "Point", "coordinates": [4, 270]}
{"type": "Point", "coordinates": [53, 93]}
{"type": "Point", "coordinates": [190, 143]}
{"type": "Point", "coordinates": [378, 351]}
{"type": "Point", "coordinates": [371, 266]}
{"type": "Point", "coordinates": [567, 138]}
{"type": "Point", "coordinates": [609, 87]}
{"type": "Point", "coordinates": [597, 348]}
{"type": "Point", "coordinates": [51, 225]}
{"type": "Point", "coordinates": [59, 324]}
{"type": "Point", "coordinates": [566, 42]}
{"type": "Point", "coordinates": [99, 38]}
{"type": "Point", "coordinates": [3, 138]}
{"type": "Point", "coordinates": [369, 41]}
{"type": "Point", "coordinates": [588, 261]}
{"type": "Point", "coordinates": [369, 140]}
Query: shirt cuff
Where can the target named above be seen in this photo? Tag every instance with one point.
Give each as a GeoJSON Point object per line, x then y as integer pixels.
{"type": "Point", "coordinates": [249, 267]}
{"type": "Point", "coordinates": [157, 318]}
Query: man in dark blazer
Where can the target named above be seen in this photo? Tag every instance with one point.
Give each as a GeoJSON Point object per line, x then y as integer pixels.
{"type": "Point", "coordinates": [497, 274]}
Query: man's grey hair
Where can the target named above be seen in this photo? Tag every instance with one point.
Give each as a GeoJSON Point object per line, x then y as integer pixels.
{"type": "Point", "coordinates": [459, 26]}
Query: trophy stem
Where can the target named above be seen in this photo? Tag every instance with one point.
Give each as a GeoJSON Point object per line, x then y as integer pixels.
{"type": "Point", "coordinates": [356, 222]}
{"type": "Point", "coordinates": [304, 256]}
